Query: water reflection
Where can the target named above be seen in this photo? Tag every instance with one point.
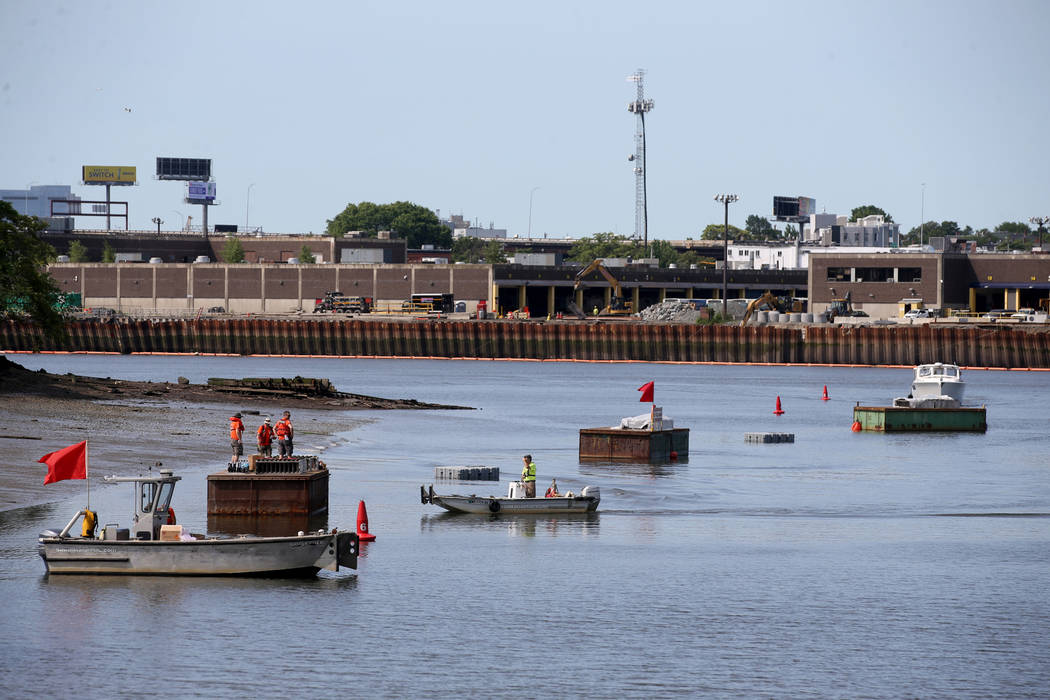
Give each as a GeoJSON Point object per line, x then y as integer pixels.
{"type": "Point", "coordinates": [518, 525]}
{"type": "Point", "coordinates": [266, 525]}
{"type": "Point", "coordinates": [604, 468]}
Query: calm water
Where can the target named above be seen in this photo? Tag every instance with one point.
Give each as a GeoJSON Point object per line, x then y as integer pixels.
{"type": "Point", "coordinates": [842, 566]}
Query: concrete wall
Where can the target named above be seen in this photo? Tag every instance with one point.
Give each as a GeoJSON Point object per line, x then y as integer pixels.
{"type": "Point", "coordinates": [258, 288]}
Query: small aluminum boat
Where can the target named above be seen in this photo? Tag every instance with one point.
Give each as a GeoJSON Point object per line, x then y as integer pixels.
{"type": "Point", "coordinates": [151, 546]}
{"type": "Point", "coordinates": [515, 502]}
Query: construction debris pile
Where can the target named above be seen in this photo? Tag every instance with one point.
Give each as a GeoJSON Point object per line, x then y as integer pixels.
{"type": "Point", "coordinates": [671, 311]}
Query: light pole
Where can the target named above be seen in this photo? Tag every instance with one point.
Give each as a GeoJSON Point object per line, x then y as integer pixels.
{"type": "Point", "coordinates": [25, 205]}
{"type": "Point", "coordinates": [247, 204]}
{"type": "Point", "coordinates": [158, 221]}
{"type": "Point", "coordinates": [922, 214]}
{"type": "Point", "coordinates": [1040, 222]}
{"type": "Point", "coordinates": [726, 199]}
{"type": "Point", "coordinates": [531, 192]}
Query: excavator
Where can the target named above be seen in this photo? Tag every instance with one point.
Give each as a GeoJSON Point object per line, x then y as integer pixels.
{"type": "Point", "coordinates": [618, 305]}
{"type": "Point", "coordinates": [771, 302]}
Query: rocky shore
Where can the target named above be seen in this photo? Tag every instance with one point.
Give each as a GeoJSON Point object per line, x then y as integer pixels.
{"type": "Point", "coordinates": [130, 425]}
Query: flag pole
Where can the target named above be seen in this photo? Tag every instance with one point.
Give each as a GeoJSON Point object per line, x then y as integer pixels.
{"type": "Point", "coordinates": [87, 475]}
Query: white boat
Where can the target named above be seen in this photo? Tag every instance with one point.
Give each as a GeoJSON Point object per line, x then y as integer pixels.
{"type": "Point", "coordinates": [515, 503]}
{"type": "Point", "coordinates": [150, 546]}
{"type": "Point", "coordinates": [936, 381]}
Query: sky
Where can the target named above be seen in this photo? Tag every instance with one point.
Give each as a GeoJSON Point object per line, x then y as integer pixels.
{"type": "Point", "coordinates": [515, 115]}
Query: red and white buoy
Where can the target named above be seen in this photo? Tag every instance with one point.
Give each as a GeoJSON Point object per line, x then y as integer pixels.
{"type": "Point", "coordinates": [363, 534]}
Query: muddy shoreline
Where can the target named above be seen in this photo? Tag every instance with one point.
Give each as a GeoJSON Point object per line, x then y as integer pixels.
{"type": "Point", "coordinates": [130, 425]}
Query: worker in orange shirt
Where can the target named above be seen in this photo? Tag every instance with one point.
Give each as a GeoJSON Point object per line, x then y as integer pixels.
{"type": "Point", "coordinates": [265, 438]}
{"type": "Point", "coordinates": [285, 434]}
{"type": "Point", "coordinates": [236, 431]}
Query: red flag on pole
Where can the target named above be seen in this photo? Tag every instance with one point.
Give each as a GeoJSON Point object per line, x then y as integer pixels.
{"type": "Point", "coordinates": [67, 463]}
{"type": "Point", "coordinates": [647, 392]}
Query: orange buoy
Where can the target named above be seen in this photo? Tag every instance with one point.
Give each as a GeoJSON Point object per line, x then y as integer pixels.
{"type": "Point", "coordinates": [363, 534]}
{"type": "Point", "coordinates": [856, 426]}
{"type": "Point", "coordinates": [779, 411]}
{"type": "Point", "coordinates": [825, 396]}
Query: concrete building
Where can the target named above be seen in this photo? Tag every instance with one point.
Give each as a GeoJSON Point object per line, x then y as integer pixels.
{"type": "Point", "coordinates": [869, 232]}
{"type": "Point", "coordinates": [37, 199]}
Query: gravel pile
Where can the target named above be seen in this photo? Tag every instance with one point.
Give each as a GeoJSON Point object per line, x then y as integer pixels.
{"type": "Point", "coordinates": [670, 311]}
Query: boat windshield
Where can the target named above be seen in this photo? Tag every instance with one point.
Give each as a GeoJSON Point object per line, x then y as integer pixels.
{"type": "Point", "coordinates": [149, 493]}
{"type": "Point", "coordinates": [925, 371]}
{"type": "Point", "coordinates": [165, 495]}
{"type": "Point", "coordinates": [949, 371]}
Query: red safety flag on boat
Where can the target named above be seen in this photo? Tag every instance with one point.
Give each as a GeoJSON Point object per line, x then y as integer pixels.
{"type": "Point", "coordinates": [647, 391]}
{"type": "Point", "coordinates": [67, 463]}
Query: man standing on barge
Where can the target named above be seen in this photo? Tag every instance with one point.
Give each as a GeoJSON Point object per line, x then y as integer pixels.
{"type": "Point", "coordinates": [236, 431]}
{"type": "Point", "coordinates": [528, 475]}
{"type": "Point", "coordinates": [285, 435]}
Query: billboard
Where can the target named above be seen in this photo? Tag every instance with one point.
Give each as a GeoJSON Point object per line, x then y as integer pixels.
{"type": "Point", "coordinates": [793, 208]}
{"type": "Point", "coordinates": [200, 192]}
{"type": "Point", "coordinates": [183, 168]}
{"type": "Point", "coordinates": [108, 174]}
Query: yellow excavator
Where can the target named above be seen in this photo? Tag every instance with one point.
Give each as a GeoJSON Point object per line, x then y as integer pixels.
{"type": "Point", "coordinates": [618, 304]}
{"type": "Point", "coordinates": [769, 301]}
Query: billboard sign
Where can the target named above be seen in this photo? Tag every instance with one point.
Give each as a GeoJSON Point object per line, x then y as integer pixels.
{"type": "Point", "coordinates": [200, 192]}
{"type": "Point", "coordinates": [793, 208]}
{"type": "Point", "coordinates": [183, 168]}
{"type": "Point", "coordinates": [108, 174]}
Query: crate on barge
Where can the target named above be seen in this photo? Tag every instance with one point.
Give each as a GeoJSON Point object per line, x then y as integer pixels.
{"type": "Point", "coordinates": [900, 419]}
{"type": "Point", "coordinates": [270, 486]}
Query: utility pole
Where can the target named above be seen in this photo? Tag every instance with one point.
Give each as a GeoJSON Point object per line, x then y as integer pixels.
{"type": "Point", "coordinates": [726, 199]}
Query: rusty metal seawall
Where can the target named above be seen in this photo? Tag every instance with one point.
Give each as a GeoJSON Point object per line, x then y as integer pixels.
{"type": "Point", "coordinates": [559, 340]}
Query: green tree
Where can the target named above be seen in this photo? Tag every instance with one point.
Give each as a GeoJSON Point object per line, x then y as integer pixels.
{"type": "Point", "coordinates": [25, 286]}
{"type": "Point", "coordinates": [108, 254]}
{"type": "Point", "coordinates": [467, 249]}
{"type": "Point", "coordinates": [306, 256]}
{"type": "Point", "coordinates": [859, 213]}
{"type": "Point", "coordinates": [233, 251]}
{"type": "Point", "coordinates": [418, 225]}
{"type": "Point", "coordinates": [605, 245]}
{"type": "Point", "coordinates": [716, 232]}
{"type": "Point", "coordinates": [77, 252]}
{"type": "Point", "coordinates": [492, 253]}
{"type": "Point", "coordinates": [759, 229]}
{"type": "Point", "coordinates": [931, 228]}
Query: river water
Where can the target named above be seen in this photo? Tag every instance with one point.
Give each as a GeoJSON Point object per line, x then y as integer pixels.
{"type": "Point", "coordinates": [845, 565]}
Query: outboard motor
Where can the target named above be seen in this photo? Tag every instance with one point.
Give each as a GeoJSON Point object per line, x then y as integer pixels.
{"type": "Point", "coordinates": [591, 491]}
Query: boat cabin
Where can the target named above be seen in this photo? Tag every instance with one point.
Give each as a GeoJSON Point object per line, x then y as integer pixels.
{"type": "Point", "coordinates": [937, 371]}
{"type": "Point", "coordinates": [152, 502]}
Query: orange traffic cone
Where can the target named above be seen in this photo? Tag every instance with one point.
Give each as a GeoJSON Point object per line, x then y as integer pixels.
{"type": "Point", "coordinates": [825, 396]}
{"type": "Point", "coordinates": [362, 524]}
{"type": "Point", "coordinates": [779, 411]}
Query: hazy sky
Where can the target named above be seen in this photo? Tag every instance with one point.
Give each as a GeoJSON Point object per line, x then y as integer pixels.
{"type": "Point", "coordinates": [466, 107]}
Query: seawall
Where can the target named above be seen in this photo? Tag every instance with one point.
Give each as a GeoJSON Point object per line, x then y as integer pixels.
{"type": "Point", "coordinates": [1007, 347]}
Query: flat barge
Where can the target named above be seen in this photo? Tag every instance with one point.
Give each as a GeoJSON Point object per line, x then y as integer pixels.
{"type": "Point", "coordinates": [897, 419]}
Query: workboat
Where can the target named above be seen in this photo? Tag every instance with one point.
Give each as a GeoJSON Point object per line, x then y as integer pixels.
{"type": "Point", "coordinates": [937, 381]}
{"type": "Point", "coordinates": [516, 503]}
{"type": "Point", "coordinates": [154, 545]}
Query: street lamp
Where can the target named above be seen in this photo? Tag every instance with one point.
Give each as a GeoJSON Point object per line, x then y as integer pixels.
{"type": "Point", "coordinates": [247, 204]}
{"type": "Point", "coordinates": [1041, 222]}
{"type": "Point", "coordinates": [531, 192]}
{"type": "Point", "coordinates": [922, 214]}
{"type": "Point", "coordinates": [726, 199]}
{"type": "Point", "coordinates": [158, 221]}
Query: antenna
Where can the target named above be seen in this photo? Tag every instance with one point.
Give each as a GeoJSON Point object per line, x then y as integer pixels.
{"type": "Point", "coordinates": [639, 107]}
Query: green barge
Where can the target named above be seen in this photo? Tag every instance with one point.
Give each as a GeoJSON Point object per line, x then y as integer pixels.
{"type": "Point", "coordinates": [897, 419]}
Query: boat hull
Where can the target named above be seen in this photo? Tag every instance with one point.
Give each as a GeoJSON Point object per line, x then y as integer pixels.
{"type": "Point", "coordinates": [517, 506]}
{"type": "Point", "coordinates": [243, 556]}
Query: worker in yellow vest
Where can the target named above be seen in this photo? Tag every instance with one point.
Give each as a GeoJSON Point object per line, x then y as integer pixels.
{"type": "Point", "coordinates": [528, 476]}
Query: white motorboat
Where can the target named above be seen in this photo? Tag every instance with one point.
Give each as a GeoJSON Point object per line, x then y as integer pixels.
{"type": "Point", "coordinates": [515, 503]}
{"type": "Point", "coordinates": [936, 381]}
{"type": "Point", "coordinates": [151, 546]}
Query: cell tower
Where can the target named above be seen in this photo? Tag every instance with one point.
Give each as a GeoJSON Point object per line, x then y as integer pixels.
{"type": "Point", "coordinates": [639, 107]}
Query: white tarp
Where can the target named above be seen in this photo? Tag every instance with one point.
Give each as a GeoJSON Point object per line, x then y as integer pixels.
{"type": "Point", "coordinates": [642, 423]}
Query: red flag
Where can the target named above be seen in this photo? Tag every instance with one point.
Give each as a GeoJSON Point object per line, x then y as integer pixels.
{"type": "Point", "coordinates": [67, 463]}
{"type": "Point", "coordinates": [647, 392]}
